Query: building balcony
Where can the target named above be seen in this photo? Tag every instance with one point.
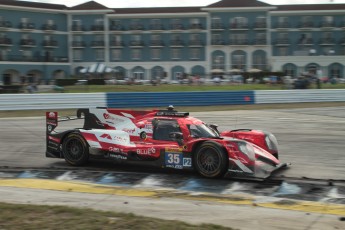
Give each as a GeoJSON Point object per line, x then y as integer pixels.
{"type": "Point", "coordinates": [5, 24]}
{"type": "Point", "coordinates": [217, 26]}
{"type": "Point", "coordinates": [220, 66]}
{"type": "Point", "coordinates": [218, 42]}
{"type": "Point", "coordinates": [156, 43]}
{"type": "Point", "coordinates": [196, 26]}
{"type": "Point", "coordinates": [306, 25]}
{"type": "Point", "coordinates": [136, 44]}
{"type": "Point", "coordinates": [197, 43]}
{"type": "Point", "coordinates": [26, 26]}
{"type": "Point", "coordinates": [327, 42]}
{"type": "Point", "coordinates": [282, 42]}
{"type": "Point", "coordinates": [260, 42]}
{"type": "Point", "coordinates": [97, 44]}
{"type": "Point", "coordinates": [5, 42]}
{"type": "Point", "coordinates": [78, 28]}
{"type": "Point", "coordinates": [47, 27]}
{"type": "Point", "coordinates": [177, 27]}
{"type": "Point", "coordinates": [176, 43]}
{"type": "Point", "coordinates": [306, 42]}
{"type": "Point", "coordinates": [239, 26]}
{"type": "Point", "coordinates": [137, 27]}
{"type": "Point", "coordinates": [342, 24]}
{"type": "Point", "coordinates": [97, 28]}
{"type": "Point", "coordinates": [239, 42]}
{"type": "Point", "coordinates": [116, 28]}
{"type": "Point", "coordinates": [327, 25]}
{"type": "Point", "coordinates": [342, 41]}
{"type": "Point", "coordinates": [50, 44]}
{"type": "Point", "coordinates": [39, 58]}
{"type": "Point", "coordinates": [260, 26]}
{"type": "Point", "coordinates": [117, 44]}
{"type": "Point", "coordinates": [78, 44]}
{"type": "Point", "coordinates": [157, 27]}
{"type": "Point", "coordinates": [282, 25]}
{"type": "Point", "coordinates": [27, 42]}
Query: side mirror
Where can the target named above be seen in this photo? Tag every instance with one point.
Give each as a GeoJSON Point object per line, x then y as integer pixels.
{"type": "Point", "coordinates": [214, 127]}
{"type": "Point", "coordinates": [177, 136]}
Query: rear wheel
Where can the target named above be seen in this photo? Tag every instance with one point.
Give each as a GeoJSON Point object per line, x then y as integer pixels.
{"type": "Point", "coordinates": [75, 149]}
{"type": "Point", "coordinates": [211, 160]}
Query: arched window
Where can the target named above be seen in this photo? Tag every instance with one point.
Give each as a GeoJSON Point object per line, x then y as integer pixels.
{"type": "Point", "coordinates": [259, 60]}
{"type": "Point", "coordinates": [290, 70]}
{"type": "Point", "coordinates": [239, 60]}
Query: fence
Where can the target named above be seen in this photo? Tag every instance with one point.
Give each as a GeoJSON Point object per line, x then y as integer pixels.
{"type": "Point", "coordinates": [133, 100]}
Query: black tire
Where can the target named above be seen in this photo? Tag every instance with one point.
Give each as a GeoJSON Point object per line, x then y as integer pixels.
{"type": "Point", "coordinates": [210, 160]}
{"type": "Point", "coordinates": [75, 149]}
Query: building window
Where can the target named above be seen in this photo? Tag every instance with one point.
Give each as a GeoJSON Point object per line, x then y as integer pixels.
{"type": "Point", "coordinates": [218, 62]}
{"type": "Point", "coordinates": [115, 25]}
{"type": "Point", "coordinates": [238, 39]}
{"type": "Point", "coordinates": [260, 22]}
{"type": "Point", "coordinates": [27, 55]}
{"type": "Point", "coordinates": [217, 39]}
{"type": "Point", "coordinates": [283, 22]}
{"type": "Point", "coordinates": [195, 23]}
{"type": "Point", "coordinates": [115, 40]}
{"type": "Point", "coordinates": [156, 24]}
{"type": "Point", "coordinates": [136, 40]}
{"type": "Point", "coordinates": [138, 75]}
{"type": "Point", "coordinates": [176, 54]}
{"type": "Point", "coordinates": [259, 60]}
{"type": "Point", "coordinates": [238, 61]}
{"type": "Point", "coordinates": [327, 21]}
{"type": "Point", "coordinates": [136, 54]}
{"type": "Point", "coordinates": [77, 25]}
{"type": "Point", "coordinates": [99, 54]}
{"type": "Point", "coordinates": [77, 54]}
{"type": "Point", "coordinates": [290, 70]}
{"type": "Point", "coordinates": [195, 54]}
{"type": "Point", "coordinates": [116, 54]}
{"type": "Point", "coordinates": [282, 51]}
{"type": "Point", "coordinates": [239, 23]}
{"type": "Point", "coordinates": [306, 21]}
{"type": "Point", "coordinates": [176, 24]}
{"type": "Point", "coordinates": [156, 54]}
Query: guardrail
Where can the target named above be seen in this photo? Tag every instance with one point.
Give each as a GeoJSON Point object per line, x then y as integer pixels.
{"type": "Point", "coordinates": [159, 99]}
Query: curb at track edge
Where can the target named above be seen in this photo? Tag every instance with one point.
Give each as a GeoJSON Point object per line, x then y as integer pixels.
{"type": "Point", "coordinates": [232, 199]}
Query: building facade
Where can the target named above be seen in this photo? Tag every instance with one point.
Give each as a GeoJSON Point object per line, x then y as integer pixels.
{"type": "Point", "coordinates": [43, 42]}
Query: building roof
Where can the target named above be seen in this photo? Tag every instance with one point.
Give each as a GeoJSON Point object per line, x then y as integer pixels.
{"type": "Point", "coordinates": [33, 4]}
{"type": "Point", "coordinates": [157, 10]}
{"type": "Point", "coordinates": [302, 7]}
{"type": "Point", "coordinates": [238, 3]}
{"type": "Point", "coordinates": [91, 5]}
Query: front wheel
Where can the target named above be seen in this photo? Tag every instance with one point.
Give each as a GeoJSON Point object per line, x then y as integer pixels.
{"type": "Point", "coordinates": [75, 149]}
{"type": "Point", "coordinates": [210, 160]}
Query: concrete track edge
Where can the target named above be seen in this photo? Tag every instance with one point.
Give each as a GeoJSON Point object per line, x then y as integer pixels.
{"type": "Point", "coordinates": [240, 199]}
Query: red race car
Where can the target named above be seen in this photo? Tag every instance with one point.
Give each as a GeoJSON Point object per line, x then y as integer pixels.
{"type": "Point", "coordinates": [165, 139]}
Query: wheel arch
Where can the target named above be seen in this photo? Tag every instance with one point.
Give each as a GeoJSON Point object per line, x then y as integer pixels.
{"type": "Point", "coordinates": [199, 143]}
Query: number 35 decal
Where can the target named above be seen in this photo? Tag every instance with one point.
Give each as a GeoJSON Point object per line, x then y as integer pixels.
{"type": "Point", "coordinates": [174, 158]}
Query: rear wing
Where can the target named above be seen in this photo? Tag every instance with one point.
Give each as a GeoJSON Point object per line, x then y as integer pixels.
{"type": "Point", "coordinates": [52, 120]}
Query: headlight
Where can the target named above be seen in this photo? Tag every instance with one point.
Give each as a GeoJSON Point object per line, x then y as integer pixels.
{"type": "Point", "coordinates": [271, 142]}
{"type": "Point", "coordinates": [247, 149]}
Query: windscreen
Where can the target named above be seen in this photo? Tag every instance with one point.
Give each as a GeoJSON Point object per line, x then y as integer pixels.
{"type": "Point", "coordinates": [202, 131]}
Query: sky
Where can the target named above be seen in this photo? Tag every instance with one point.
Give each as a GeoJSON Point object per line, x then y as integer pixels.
{"type": "Point", "coordinates": [167, 3]}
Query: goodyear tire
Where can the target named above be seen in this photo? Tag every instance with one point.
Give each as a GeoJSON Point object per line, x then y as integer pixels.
{"type": "Point", "coordinates": [75, 149]}
{"type": "Point", "coordinates": [210, 160]}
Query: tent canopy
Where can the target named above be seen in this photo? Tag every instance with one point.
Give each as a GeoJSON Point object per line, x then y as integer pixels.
{"type": "Point", "coordinates": [97, 68]}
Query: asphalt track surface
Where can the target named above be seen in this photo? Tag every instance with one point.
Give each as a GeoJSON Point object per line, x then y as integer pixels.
{"type": "Point", "coordinates": [311, 139]}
